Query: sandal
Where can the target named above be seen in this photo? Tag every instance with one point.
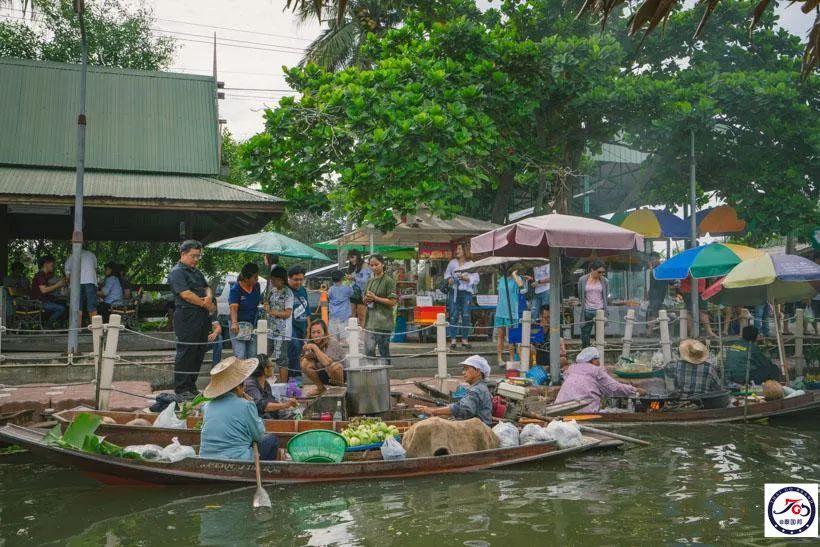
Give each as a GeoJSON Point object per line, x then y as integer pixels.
{"type": "Point", "coordinates": [466, 345]}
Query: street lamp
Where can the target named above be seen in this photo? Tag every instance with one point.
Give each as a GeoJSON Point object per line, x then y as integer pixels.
{"type": "Point", "coordinates": [77, 234]}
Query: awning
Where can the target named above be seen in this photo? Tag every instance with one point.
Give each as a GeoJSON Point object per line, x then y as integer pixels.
{"type": "Point", "coordinates": [423, 226]}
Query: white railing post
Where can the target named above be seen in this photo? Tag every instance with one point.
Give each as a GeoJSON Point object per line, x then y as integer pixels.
{"type": "Point", "coordinates": [630, 321]}
{"type": "Point", "coordinates": [261, 337]}
{"type": "Point", "coordinates": [96, 328]}
{"type": "Point", "coordinates": [799, 333]}
{"type": "Point", "coordinates": [600, 331]}
{"type": "Point", "coordinates": [106, 377]}
{"type": "Point", "coordinates": [526, 329]}
{"type": "Point", "coordinates": [353, 355]}
{"type": "Point", "coordinates": [441, 346]}
{"type": "Point", "coordinates": [666, 343]}
{"type": "Point", "coordinates": [684, 324]}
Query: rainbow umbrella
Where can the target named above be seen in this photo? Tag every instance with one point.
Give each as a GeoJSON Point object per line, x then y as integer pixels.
{"type": "Point", "coordinates": [721, 220]}
{"type": "Point", "coordinates": [774, 279]}
{"type": "Point", "coordinates": [652, 223]}
{"type": "Point", "coordinates": [713, 260]}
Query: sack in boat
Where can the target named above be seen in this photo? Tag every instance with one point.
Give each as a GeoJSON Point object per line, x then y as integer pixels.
{"type": "Point", "coordinates": [507, 434]}
{"type": "Point", "coordinates": [772, 390]}
{"type": "Point", "coordinates": [439, 437]}
{"type": "Point", "coordinates": [532, 434]}
{"type": "Point", "coordinates": [566, 434]}
{"type": "Point", "coordinates": [168, 418]}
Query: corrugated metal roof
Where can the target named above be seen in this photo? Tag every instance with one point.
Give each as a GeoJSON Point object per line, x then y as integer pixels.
{"type": "Point", "coordinates": [60, 183]}
{"type": "Point", "coordinates": [137, 120]}
{"type": "Point", "coordinates": [618, 153]}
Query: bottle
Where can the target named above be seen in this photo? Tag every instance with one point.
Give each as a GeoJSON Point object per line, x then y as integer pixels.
{"type": "Point", "coordinates": [337, 416]}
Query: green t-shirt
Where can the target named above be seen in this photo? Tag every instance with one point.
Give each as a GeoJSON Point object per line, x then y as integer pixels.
{"type": "Point", "coordinates": [380, 316]}
{"type": "Point", "coordinates": [736, 355]}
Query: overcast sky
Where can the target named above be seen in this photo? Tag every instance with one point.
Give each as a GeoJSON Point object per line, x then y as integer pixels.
{"type": "Point", "coordinates": [257, 37]}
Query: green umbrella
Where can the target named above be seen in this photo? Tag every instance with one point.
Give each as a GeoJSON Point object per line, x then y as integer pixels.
{"type": "Point", "coordinates": [271, 243]}
{"type": "Point", "coordinates": [398, 252]}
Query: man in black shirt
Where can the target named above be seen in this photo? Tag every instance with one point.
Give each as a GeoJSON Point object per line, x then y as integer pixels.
{"type": "Point", "coordinates": [193, 304]}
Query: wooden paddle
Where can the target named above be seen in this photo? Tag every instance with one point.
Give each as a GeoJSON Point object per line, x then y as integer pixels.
{"type": "Point", "coordinates": [618, 436]}
{"type": "Point", "coordinates": [260, 497]}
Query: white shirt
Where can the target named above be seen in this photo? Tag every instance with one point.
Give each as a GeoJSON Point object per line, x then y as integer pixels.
{"type": "Point", "coordinates": [88, 267]}
{"type": "Point", "coordinates": [468, 285]}
{"type": "Point", "coordinates": [539, 273]}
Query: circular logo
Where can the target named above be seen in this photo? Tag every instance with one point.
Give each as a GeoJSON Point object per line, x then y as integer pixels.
{"type": "Point", "coordinates": [791, 510]}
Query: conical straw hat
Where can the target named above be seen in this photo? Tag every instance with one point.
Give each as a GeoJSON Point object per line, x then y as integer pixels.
{"type": "Point", "coordinates": [229, 373]}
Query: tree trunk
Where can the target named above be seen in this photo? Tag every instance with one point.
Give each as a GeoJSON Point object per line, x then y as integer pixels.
{"type": "Point", "coordinates": [502, 196]}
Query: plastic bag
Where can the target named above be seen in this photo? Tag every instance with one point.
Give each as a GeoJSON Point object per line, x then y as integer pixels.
{"type": "Point", "coordinates": [507, 435]}
{"type": "Point", "coordinates": [567, 434]}
{"type": "Point", "coordinates": [168, 418]}
{"type": "Point", "coordinates": [151, 452]}
{"type": "Point", "coordinates": [393, 450]}
{"type": "Point", "coordinates": [175, 452]}
{"type": "Point", "coordinates": [532, 434]}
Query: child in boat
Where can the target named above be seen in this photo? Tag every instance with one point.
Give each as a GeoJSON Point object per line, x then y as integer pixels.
{"type": "Point", "coordinates": [477, 403]}
{"type": "Point", "coordinates": [231, 423]}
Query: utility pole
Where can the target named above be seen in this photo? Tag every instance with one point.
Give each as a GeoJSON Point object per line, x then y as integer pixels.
{"type": "Point", "coordinates": [693, 234]}
{"type": "Point", "coordinates": [77, 235]}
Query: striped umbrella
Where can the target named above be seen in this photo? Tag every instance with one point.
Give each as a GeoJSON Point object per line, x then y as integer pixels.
{"type": "Point", "coordinates": [775, 279]}
{"type": "Point", "coordinates": [720, 220]}
{"type": "Point", "coordinates": [652, 223]}
{"type": "Point", "coordinates": [713, 260]}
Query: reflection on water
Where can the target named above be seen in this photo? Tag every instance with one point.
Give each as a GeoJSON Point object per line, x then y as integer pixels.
{"type": "Point", "coordinates": [694, 484]}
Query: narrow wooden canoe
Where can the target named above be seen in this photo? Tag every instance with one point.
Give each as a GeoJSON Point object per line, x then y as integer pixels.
{"type": "Point", "coordinates": [112, 470]}
{"type": "Point", "coordinates": [808, 403]}
{"type": "Point", "coordinates": [125, 435]}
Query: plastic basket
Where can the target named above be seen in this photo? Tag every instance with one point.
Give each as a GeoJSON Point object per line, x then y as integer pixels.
{"type": "Point", "coordinates": [538, 375]}
{"type": "Point", "coordinates": [317, 446]}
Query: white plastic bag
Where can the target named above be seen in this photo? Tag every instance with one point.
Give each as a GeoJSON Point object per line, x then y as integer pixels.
{"type": "Point", "coordinates": [168, 418]}
{"type": "Point", "coordinates": [532, 434]}
{"type": "Point", "coordinates": [567, 434]}
{"type": "Point", "coordinates": [393, 450]}
{"type": "Point", "coordinates": [151, 452]}
{"type": "Point", "coordinates": [175, 452]}
{"type": "Point", "coordinates": [507, 434]}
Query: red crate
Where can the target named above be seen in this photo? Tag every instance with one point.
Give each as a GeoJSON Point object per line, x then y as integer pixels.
{"type": "Point", "coordinates": [426, 315]}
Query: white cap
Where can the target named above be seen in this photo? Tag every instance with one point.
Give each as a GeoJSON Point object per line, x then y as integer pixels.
{"type": "Point", "coordinates": [479, 363]}
{"type": "Point", "coordinates": [588, 354]}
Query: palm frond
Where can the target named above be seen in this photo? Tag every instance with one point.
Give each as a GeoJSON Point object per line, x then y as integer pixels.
{"type": "Point", "coordinates": [334, 46]}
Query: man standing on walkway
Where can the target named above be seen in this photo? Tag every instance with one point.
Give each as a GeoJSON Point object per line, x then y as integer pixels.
{"type": "Point", "coordinates": [193, 306]}
{"type": "Point", "coordinates": [88, 282]}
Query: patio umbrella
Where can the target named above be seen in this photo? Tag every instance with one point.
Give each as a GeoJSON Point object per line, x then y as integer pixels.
{"type": "Point", "coordinates": [398, 252]}
{"type": "Point", "coordinates": [721, 220]}
{"type": "Point", "coordinates": [503, 265]}
{"type": "Point", "coordinates": [768, 279]}
{"type": "Point", "coordinates": [652, 223]}
{"type": "Point", "coordinates": [269, 242]}
{"type": "Point", "coordinates": [548, 235]}
{"type": "Point", "coordinates": [713, 260]}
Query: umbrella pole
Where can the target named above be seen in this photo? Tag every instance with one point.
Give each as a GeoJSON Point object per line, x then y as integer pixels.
{"type": "Point", "coordinates": [746, 389]}
{"type": "Point", "coordinates": [720, 348]}
{"type": "Point", "coordinates": [555, 315]}
{"type": "Point", "coordinates": [781, 350]}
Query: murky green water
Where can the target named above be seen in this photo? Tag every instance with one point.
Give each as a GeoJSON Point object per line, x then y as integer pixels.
{"type": "Point", "coordinates": [699, 484]}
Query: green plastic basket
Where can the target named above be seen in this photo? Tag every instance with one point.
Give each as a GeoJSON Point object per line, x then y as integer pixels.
{"type": "Point", "coordinates": [317, 446]}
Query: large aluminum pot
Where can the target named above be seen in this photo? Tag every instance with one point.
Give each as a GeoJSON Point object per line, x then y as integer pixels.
{"type": "Point", "coordinates": [368, 389]}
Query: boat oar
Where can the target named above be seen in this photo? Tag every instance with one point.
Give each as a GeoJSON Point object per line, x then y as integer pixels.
{"type": "Point", "coordinates": [261, 497]}
{"type": "Point", "coordinates": [618, 436]}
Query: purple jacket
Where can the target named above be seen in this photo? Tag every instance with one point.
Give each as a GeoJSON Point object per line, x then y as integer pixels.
{"type": "Point", "coordinates": [583, 380]}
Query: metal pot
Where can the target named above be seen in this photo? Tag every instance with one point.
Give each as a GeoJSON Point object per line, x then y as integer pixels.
{"type": "Point", "coordinates": [368, 389]}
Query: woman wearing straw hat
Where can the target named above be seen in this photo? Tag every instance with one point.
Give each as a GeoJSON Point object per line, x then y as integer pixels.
{"type": "Point", "coordinates": [692, 374]}
{"type": "Point", "coordinates": [231, 423]}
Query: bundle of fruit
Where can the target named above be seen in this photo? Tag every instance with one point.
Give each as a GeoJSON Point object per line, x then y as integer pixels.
{"type": "Point", "coordinates": [363, 431]}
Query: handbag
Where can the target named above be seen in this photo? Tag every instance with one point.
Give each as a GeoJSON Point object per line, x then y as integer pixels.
{"type": "Point", "coordinates": [443, 286]}
{"type": "Point", "coordinates": [356, 295]}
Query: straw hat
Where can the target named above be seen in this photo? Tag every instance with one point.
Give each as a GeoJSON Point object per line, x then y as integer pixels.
{"type": "Point", "coordinates": [693, 351]}
{"type": "Point", "coordinates": [229, 373]}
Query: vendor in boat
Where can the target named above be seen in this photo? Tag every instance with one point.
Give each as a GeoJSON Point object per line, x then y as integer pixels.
{"type": "Point", "coordinates": [322, 358]}
{"type": "Point", "coordinates": [541, 341]}
{"type": "Point", "coordinates": [745, 354]}
{"type": "Point", "coordinates": [259, 390]}
{"type": "Point", "coordinates": [231, 423]}
{"type": "Point", "coordinates": [692, 374]}
{"type": "Point", "coordinates": [587, 379]}
{"type": "Point", "coordinates": [477, 403]}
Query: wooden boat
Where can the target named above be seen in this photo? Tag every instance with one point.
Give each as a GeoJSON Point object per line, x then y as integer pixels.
{"type": "Point", "coordinates": [111, 470]}
{"type": "Point", "coordinates": [125, 435]}
{"type": "Point", "coordinates": [810, 402]}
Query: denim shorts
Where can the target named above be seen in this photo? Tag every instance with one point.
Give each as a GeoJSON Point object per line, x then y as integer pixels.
{"type": "Point", "coordinates": [88, 297]}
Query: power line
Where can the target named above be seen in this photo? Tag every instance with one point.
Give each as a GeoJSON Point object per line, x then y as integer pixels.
{"type": "Point", "coordinates": [220, 39]}
{"type": "Point", "coordinates": [234, 29]}
{"type": "Point", "coordinates": [258, 89]}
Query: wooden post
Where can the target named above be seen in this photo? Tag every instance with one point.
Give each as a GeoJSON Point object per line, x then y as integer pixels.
{"type": "Point", "coordinates": [781, 349]}
{"type": "Point", "coordinates": [630, 321]}
{"type": "Point", "coordinates": [262, 336]}
{"type": "Point", "coordinates": [353, 354]}
{"type": "Point", "coordinates": [799, 333]}
{"type": "Point", "coordinates": [600, 328]}
{"type": "Point", "coordinates": [526, 329]}
{"type": "Point", "coordinates": [106, 376]}
{"type": "Point", "coordinates": [666, 343]}
{"type": "Point", "coordinates": [684, 324]}
{"type": "Point", "coordinates": [441, 347]}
